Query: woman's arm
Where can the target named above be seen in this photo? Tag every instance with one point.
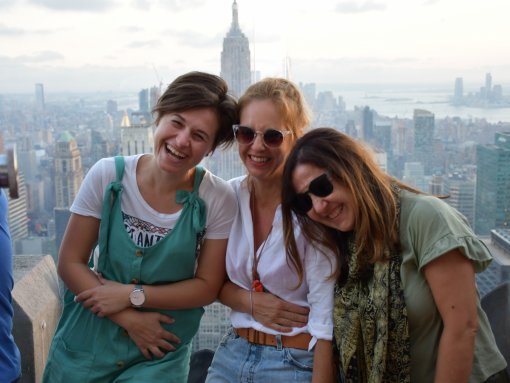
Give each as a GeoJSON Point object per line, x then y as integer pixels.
{"type": "Point", "coordinates": [324, 370]}
{"type": "Point", "coordinates": [203, 289]}
{"type": "Point", "coordinates": [265, 308]}
{"type": "Point", "coordinates": [79, 239]}
{"type": "Point", "coordinates": [451, 278]}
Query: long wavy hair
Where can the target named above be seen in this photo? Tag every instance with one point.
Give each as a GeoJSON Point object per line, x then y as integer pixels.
{"type": "Point", "coordinates": [352, 165]}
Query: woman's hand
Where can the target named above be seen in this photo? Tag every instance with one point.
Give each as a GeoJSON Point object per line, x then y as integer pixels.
{"type": "Point", "coordinates": [144, 328]}
{"type": "Point", "coordinates": [276, 313]}
{"type": "Point", "coordinates": [107, 299]}
{"type": "Point", "coordinates": [265, 308]}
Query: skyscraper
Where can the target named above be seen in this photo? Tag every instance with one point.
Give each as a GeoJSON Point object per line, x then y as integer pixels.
{"type": "Point", "coordinates": [368, 124]}
{"type": "Point", "coordinates": [458, 94]}
{"type": "Point", "coordinates": [235, 57]}
{"type": "Point", "coordinates": [39, 97]}
{"type": "Point", "coordinates": [18, 208]}
{"type": "Point", "coordinates": [488, 85]}
{"type": "Point", "coordinates": [143, 101]}
{"type": "Point", "coordinates": [461, 190]}
{"type": "Point", "coordinates": [68, 178]}
{"type": "Point", "coordinates": [154, 95]}
{"type": "Point", "coordinates": [68, 170]}
{"type": "Point", "coordinates": [136, 138]}
{"type": "Point", "coordinates": [424, 122]}
{"type": "Point", "coordinates": [492, 206]}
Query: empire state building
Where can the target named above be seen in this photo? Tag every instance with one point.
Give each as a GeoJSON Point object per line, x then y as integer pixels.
{"type": "Point", "coordinates": [235, 57]}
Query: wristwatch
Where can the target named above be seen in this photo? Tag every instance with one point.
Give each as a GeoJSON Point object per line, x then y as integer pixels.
{"type": "Point", "coordinates": [137, 296]}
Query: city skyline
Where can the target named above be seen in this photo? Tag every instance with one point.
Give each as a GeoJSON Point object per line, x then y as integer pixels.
{"type": "Point", "coordinates": [108, 45]}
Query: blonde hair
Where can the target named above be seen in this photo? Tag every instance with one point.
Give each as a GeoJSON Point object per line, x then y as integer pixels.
{"type": "Point", "coordinates": [286, 96]}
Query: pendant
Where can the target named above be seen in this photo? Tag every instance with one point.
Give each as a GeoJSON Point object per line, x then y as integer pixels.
{"type": "Point", "coordinates": [257, 286]}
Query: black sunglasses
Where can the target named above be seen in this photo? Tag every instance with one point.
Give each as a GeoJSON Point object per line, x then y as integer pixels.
{"type": "Point", "coordinates": [320, 187]}
{"type": "Point", "coordinates": [272, 137]}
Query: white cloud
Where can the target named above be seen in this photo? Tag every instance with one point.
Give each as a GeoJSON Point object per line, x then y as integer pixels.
{"type": "Point", "coordinates": [144, 44]}
{"type": "Point", "coordinates": [76, 5]}
{"type": "Point", "coordinates": [357, 7]}
{"type": "Point", "coordinates": [40, 57]}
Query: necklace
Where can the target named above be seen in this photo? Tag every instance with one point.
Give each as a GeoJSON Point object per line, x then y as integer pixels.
{"type": "Point", "coordinates": [256, 284]}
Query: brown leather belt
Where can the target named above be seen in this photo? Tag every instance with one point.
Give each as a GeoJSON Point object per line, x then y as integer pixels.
{"type": "Point", "coordinates": [258, 337]}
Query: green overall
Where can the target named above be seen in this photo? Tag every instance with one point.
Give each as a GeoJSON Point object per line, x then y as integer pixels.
{"type": "Point", "coordinates": [86, 348]}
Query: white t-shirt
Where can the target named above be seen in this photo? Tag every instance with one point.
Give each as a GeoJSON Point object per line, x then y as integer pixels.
{"type": "Point", "coordinates": [145, 225]}
{"type": "Point", "coordinates": [277, 276]}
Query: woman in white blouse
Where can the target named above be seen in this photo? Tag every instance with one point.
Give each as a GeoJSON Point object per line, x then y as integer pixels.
{"type": "Point", "coordinates": [281, 308]}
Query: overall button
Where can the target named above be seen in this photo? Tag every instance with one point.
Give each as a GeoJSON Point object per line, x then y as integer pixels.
{"type": "Point", "coordinates": [120, 364]}
{"type": "Point", "coordinates": [138, 253]}
{"type": "Point", "coordinates": [135, 281]}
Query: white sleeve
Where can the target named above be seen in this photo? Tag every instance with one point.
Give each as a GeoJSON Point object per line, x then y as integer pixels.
{"type": "Point", "coordinates": [221, 203]}
{"type": "Point", "coordinates": [319, 267]}
{"type": "Point", "coordinates": [89, 200]}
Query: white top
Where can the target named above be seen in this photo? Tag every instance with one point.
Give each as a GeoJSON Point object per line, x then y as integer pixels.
{"type": "Point", "coordinates": [277, 276]}
{"type": "Point", "coordinates": [145, 225]}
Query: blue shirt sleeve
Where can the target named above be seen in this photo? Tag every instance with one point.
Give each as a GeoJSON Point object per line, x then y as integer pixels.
{"type": "Point", "coordinates": [10, 367]}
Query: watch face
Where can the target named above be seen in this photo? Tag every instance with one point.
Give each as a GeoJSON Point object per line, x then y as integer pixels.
{"type": "Point", "coordinates": [137, 297]}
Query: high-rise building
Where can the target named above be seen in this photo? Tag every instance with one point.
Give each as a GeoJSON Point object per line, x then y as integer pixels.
{"type": "Point", "coordinates": [136, 138]}
{"type": "Point", "coordinates": [68, 178]}
{"type": "Point", "coordinates": [414, 176]}
{"type": "Point", "coordinates": [368, 124]}
{"type": "Point", "coordinates": [309, 92]}
{"type": "Point", "coordinates": [458, 93]}
{"type": "Point", "coordinates": [213, 327]}
{"type": "Point", "coordinates": [461, 191]}
{"type": "Point", "coordinates": [111, 107]}
{"type": "Point", "coordinates": [488, 85]}
{"type": "Point", "coordinates": [492, 206]}
{"type": "Point", "coordinates": [382, 137]}
{"type": "Point", "coordinates": [424, 123]}
{"type": "Point", "coordinates": [225, 163]}
{"type": "Point", "coordinates": [39, 97]}
{"type": "Point", "coordinates": [68, 170]}
{"type": "Point", "coordinates": [143, 100]}
{"type": "Point", "coordinates": [436, 185]}
{"type": "Point", "coordinates": [235, 57]}
{"type": "Point", "coordinates": [18, 209]}
{"type": "Point", "coordinates": [154, 95]}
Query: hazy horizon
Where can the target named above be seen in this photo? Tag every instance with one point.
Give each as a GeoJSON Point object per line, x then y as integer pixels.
{"type": "Point", "coordinates": [113, 45]}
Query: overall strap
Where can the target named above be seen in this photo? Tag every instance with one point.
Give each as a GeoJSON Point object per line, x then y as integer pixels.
{"type": "Point", "coordinates": [119, 167]}
{"type": "Point", "coordinates": [191, 200]}
{"type": "Point", "coordinates": [199, 175]}
{"type": "Point", "coordinates": [111, 196]}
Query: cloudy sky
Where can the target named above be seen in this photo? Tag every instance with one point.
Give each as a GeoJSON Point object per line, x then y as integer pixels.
{"type": "Point", "coordinates": [118, 45]}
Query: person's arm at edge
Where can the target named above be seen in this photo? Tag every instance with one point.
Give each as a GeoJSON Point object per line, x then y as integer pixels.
{"type": "Point", "coordinates": [323, 363]}
{"type": "Point", "coordinates": [79, 239]}
{"type": "Point", "coordinates": [320, 266]}
{"type": "Point", "coordinates": [451, 279]}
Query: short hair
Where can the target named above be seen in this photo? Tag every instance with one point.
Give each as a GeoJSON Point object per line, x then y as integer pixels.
{"type": "Point", "coordinates": [195, 90]}
{"type": "Point", "coordinates": [286, 96]}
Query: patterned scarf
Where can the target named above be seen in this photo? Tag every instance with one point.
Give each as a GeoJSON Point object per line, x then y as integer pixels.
{"type": "Point", "coordinates": [371, 327]}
